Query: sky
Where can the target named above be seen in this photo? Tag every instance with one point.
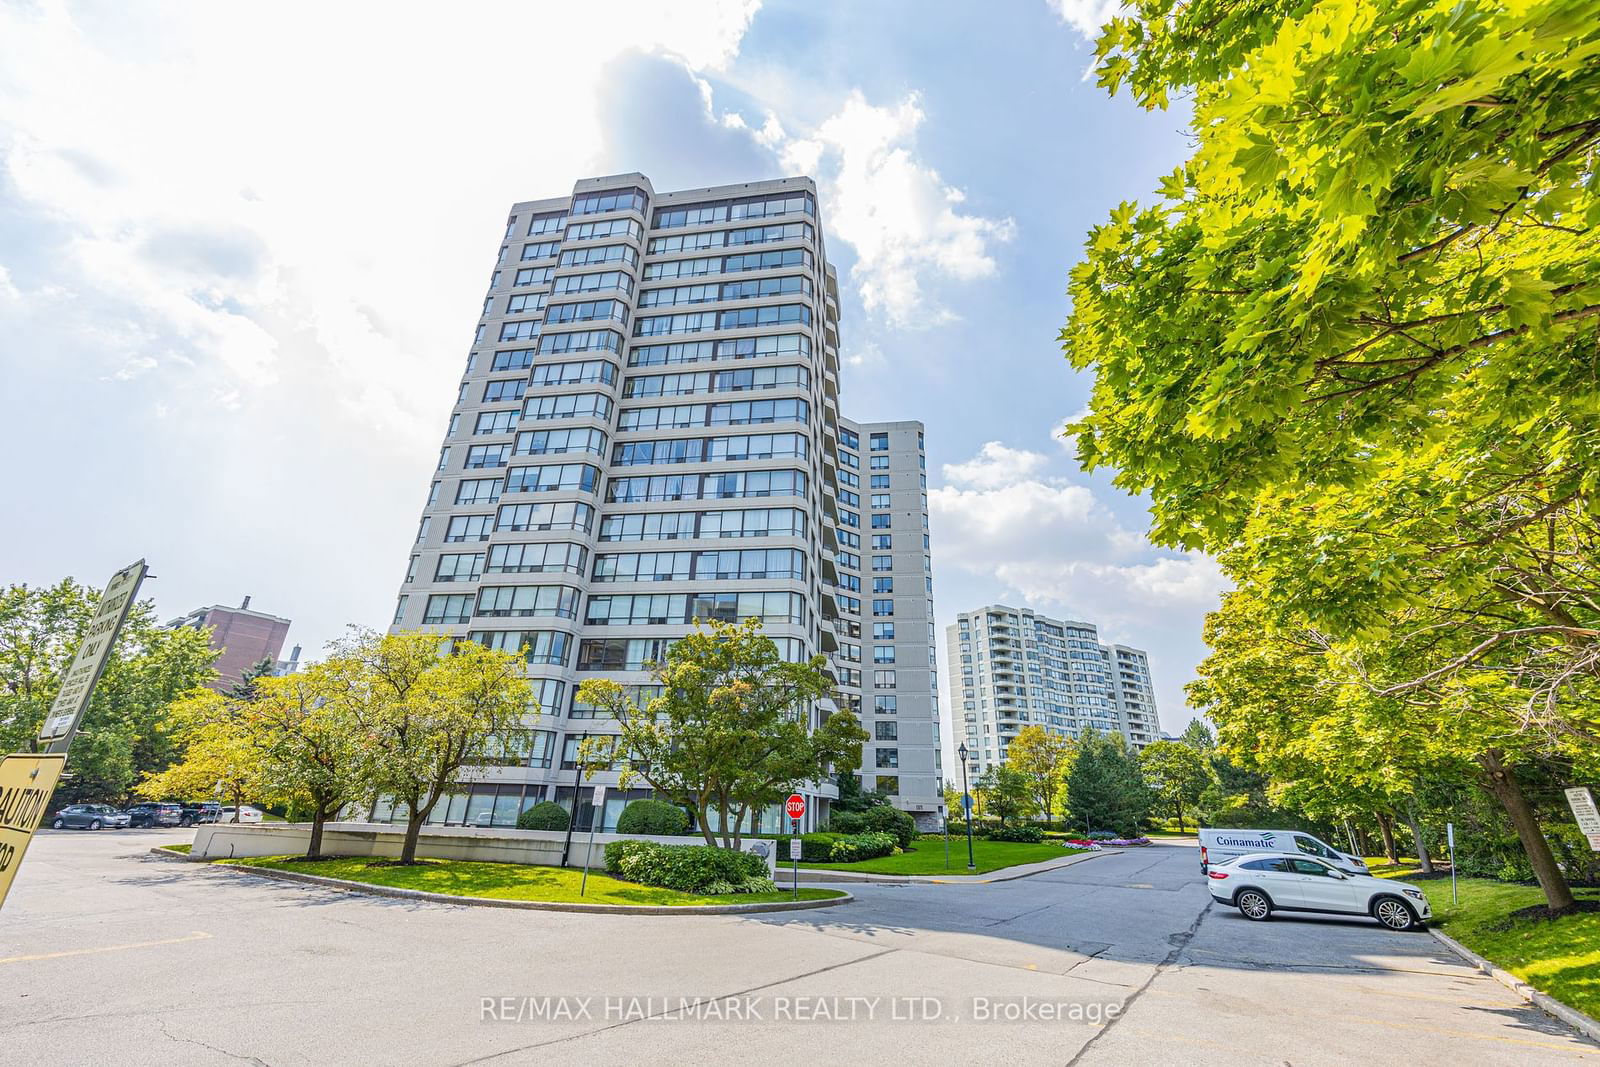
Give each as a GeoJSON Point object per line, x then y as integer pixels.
{"type": "Point", "coordinates": [243, 249]}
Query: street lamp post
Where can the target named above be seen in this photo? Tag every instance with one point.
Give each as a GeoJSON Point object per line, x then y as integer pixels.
{"type": "Point", "coordinates": [966, 804]}
{"type": "Point", "coordinates": [577, 787]}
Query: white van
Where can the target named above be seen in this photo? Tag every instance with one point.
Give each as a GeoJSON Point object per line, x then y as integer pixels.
{"type": "Point", "coordinates": [1220, 846]}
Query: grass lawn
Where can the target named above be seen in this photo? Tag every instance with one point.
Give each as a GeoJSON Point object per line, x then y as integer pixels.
{"type": "Point", "coordinates": [175, 848]}
{"type": "Point", "coordinates": [1561, 958]}
{"type": "Point", "coordinates": [515, 881]}
{"type": "Point", "coordinates": [927, 857]}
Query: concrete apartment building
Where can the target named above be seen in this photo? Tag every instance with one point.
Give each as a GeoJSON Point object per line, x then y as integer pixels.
{"type": "Point", "coordinates": [646, 433]}
{"type": "Point", "coordinates": [1013, 668]}
{"type": "Point", "coordinates": [245, 638]}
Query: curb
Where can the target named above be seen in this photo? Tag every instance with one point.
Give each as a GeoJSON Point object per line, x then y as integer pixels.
{"type": "Point", "coordinates": [534, 905]}
{"type": "Point", "coordinates": [167, 854]}
{"type": "Point", "coordinates": [814, 875]}
{"type": "Point", "coordinates": [1543, 1001]}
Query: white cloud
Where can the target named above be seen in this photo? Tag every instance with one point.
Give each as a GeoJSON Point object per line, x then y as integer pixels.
{"type": "Point", "coordinates": [1087, 16]}
{"type": "Point", "coordinates": [994, 466]}
{"type": "Point", "coordinates": [894, 210]}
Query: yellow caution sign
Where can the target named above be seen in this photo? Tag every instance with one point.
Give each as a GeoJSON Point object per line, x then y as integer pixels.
{"type": "Point", "coordinates": [26, 783]}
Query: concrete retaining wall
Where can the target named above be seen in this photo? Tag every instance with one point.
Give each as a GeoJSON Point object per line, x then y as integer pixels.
{"type": "Point", "coordinates": [540, 847]}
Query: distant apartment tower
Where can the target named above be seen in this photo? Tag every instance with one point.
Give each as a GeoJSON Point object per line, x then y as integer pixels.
{"type": "Point", "coordinates": [244, 637]}
{"type": "Point", "coordinates": [647, 433]}
{"type": "Point", "coordinates": [1011, 668]}
{"type": "Point", "coordinates": [888, 667]}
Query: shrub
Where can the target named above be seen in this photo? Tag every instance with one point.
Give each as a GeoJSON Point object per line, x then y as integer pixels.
{"type": "Point", "coordinates": [847, 822]}
{"type": "Point", "coordinates": [1104, 835]}
{"type": "Point", "coordinates": [749, 885]}
{"type": "Point", "coordinates": [853, 848]}
{"type": "Point", "coordinates": [1028, 835]}
{"type": "Point", "coordinates": [686, 868]}
{"type": "Point", "coordinates": [545, 815]}
{"type": "Point", "coordinates": [653, 817]}
{"type": "Point", "coordinates": [958, 827]}
{"type": "Point", "coordinates": [814, 848]}
{"type": "Point", "coordinates": [887, 819]}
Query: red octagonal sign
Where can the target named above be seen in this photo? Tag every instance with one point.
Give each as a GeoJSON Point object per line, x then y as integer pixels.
{"type": "Point", "coordinates": [795, 806]}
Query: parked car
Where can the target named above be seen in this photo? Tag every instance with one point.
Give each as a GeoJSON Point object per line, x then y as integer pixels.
{"type": "Point", "coordinates": [89, 817]}
{"type": "Point", "coordinates": [154, 815]}
{"type": "Point", "coordinates": [246, 813]}
{"type": "Point", "coordinates": [1259, 884]}
{"type": "Point", "coordinates": [194, 814]}
{"type": "Point", "coordinates": [1219, 846]}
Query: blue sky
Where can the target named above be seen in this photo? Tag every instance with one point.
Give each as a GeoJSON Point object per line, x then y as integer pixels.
{"type": "Point", "coordinates": [240, 263]}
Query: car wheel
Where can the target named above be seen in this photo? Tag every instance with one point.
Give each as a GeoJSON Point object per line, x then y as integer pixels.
{"type": "Point", "coordinates": [94, 824]}
{"type": "Point", "coordinates": [1394, 913]}
{"type": "Point", "coordinates": [1253, 905]}
{"type": "Point", "coordinates": [59, 824]}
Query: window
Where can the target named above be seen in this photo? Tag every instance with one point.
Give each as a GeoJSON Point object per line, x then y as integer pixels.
{"type": "Point", "coordinates": [880, 500]}
{"type": "Point", "coordinates": [548, 222]}
{"type": "Point", "coordinates": [459, 567]}
{"type": "Point", "coordinates": [878, 463]}
{"type": "Point", "coordinates": [593, 255]}
{"type": "Point", "coordinates": [885, 705]}
{"type": "Point", "coordinates": [525, 303]}
{"type": "Point", "coordinates": [468, 528]}
{"type": "Point", "coordinates": [550, 556]}
{"type": "Point", "coordinates": [594, 283]}
{"type": "Point", "coordinates": [481, 456]}
{"type": "Point", "coordinates": [883, 653]}
{"type": "Point", "coordinates": [883, 563]}
{"type": "Point", "coordinates": [493, 422]}
{"type": "Point", "coordinates": [1312, 867]}
{"type": "Point", "coordinates": [883, 679]}
{"type": "Point", "coordinates": [478, 491]}
{"type": "Point", "coordinates": [881, 522]}
{"type": "Point", "coordinates": [570, 406]}
{"type": "Point", "coordinates": [596, 231]}
{"type": "Point", "coordinates": [880, 442]}
{"type": "Point", "coordinates": [521, 600]}
{"type": "Point", "coordinates": [588, 311]}
{"type": "Point", "coordinates": [574, 477]}
{"type": "Point", "coordinates": [888, 784]}
{"type": "Point", "coordinates": [504, 389]}
{"type": "Point", "coordinates": [613, 200]}
{"type": "Point", "coordinates": [535, 646]}
{"type": "Point", "coordinates": [422, 528]}
{"type": "Point", "coordinates": [889, 757]}
{"type": "Point", "coordinates": [883, 585]}
{"type": "Point", "coordinates": [533, 276]}
{"type": "Point", "coordinates": [883, 631]}
{"type": "Point", "coordinates": [448, 608]}
{"type": "Point", "coordinates": [566, 515]}
{"type": "Point", "coordinates": [400, 608]}
{"type": "Point", "coordinates": [883, 607]}
{"type": "Point", "coordinates": [880, 481]}
{"type": "Point", "coordinates": [540, 249]}
{"type": "Point", "coordinates": [882, 541]}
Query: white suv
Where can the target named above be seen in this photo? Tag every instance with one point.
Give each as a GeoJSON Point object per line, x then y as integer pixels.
{"type": "Point", "coordinates": [1261, 883]}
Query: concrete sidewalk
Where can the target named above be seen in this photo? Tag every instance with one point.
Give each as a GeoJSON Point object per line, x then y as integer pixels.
{"type": "Point", "coordinates": [1004, 874]}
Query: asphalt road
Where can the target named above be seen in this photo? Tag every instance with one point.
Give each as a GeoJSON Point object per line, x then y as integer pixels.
{"type": "Point", "coordinates": [109, 955]}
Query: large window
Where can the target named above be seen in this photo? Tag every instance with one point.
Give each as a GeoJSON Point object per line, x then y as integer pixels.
{"type": "Point", "coordinates": [589, 370]}
{"type": "Point", "coordinates": [782, 344]}
{"type": "Point", "coordinates": [755, 207]}
{"type": "Point", "coordinates": [448, 608]}
{"type": "Point", "coordinates": [744, 379]}
{"type": "Point", "coordinates": [522, 600]}
{"type": "Point", "coordinates": [495, 422]}
{"type": "Point", "coordinates": [612, 200]}
{"type": "Point", "coordinates": [595, 283]}
{"type": "Point", "coordinates": [595, 255]}
{"type": "Point", "coordinates": [684, 525]}
{"type": "Point", "coordinates": [468, 528]}
{"type": "Point", "coordinates": [575, 477]}
{"type": "Point", "coordinates": [730, 413]}
{"type": "Point", "coordinates": [580, 341]}
{"type": "Point", "coordinates": [550, 647]}
{"type": "Point", "coordinates": [478, 491]}
{"type": "Point", "coordinates": [707, 487]}
{"type": "Point", "coordinates": [459, 567]}
{"type": "Point", "coordinates": [678, 608]}
{"type": "Point", "coordinates": [503, 389]}
{"type": "Point", "coordinates": [533, 558]}
{"type": "Point", "coordinates": [749, 235]}
{"type": "Point", "coordinates": [599, 231]}
{"type": "Point", "coordinates": [567, 515]}
{"type": "Point", "coordinates": [753, 563]}
{"type": "Point", "coordinates": [711, 449]}
{"type": "Point", "coordinates": [482, 456]}
{"type": "Point", "coordinates": [560, 442]}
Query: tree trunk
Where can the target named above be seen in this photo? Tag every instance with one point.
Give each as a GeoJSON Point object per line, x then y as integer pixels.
{"type": "Point", "coordinates": [314, 849]}
{"type": "Point", "coordinates": [1508, 791]}
{"type": "Point", "coordinates": [414, 820]}
{"type": "Point", "coordinates": [1386, 828]}
{"type": "Point", "coordinates": [702, 810]}
{"type": "Point", "coordinates": [1416, 837]}
{"type": "Point", "coordinates": [1179, 805]}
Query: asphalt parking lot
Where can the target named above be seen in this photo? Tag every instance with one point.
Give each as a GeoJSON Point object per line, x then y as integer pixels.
{"type": "Point", "coordinates": [111, 955]}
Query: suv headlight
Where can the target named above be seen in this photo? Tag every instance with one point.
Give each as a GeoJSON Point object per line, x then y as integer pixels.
{"type": "Point", "coordinates": [1414, 893]}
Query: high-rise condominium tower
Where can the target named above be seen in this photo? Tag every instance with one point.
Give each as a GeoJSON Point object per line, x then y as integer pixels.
{"type": "Point", "coordinates": [1010, 669]}
{"type": "Point", "coordinates": [646, 433]}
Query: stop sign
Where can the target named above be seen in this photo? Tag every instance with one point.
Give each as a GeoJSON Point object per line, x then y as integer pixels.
{"type": "Point", "coordinates": [795, 806]}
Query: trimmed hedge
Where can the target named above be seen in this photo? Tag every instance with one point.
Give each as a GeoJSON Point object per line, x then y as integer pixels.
{"type": "Point", "coordinates": [853, 848]}
{"type": "Point", "coordinates": [1025, 835]}
{"type": "Point", "coordinates": [545, 815]}
{"type": "Point", "coordinates": [688, 868]}
{"type": "Point", "coordinates": [655, 817]}
{"type": "Point", "coordinates": [881, 819]}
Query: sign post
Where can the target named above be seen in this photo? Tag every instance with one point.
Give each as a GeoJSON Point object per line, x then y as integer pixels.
{"type": "Point", "coordinates": [27, 780]}
{"type": "Point", "coordinates": [1450, 838]}
{"type": "Point", "coordinates": [598, 804]}
{"type": "Point", "coordinates": [795, 808]}
{"type": "Point", "coordinates": [1581, 801]}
